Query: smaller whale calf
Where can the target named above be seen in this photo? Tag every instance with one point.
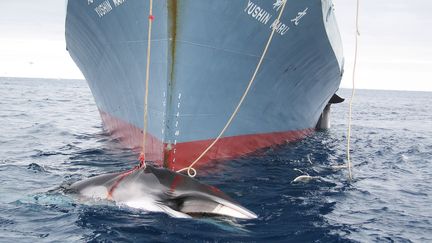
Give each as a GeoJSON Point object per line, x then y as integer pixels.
{"type": "Point", "coordinates": [161, 190]}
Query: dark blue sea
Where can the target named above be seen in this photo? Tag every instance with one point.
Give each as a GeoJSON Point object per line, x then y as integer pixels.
{"type": "Point", "coordinates": [51, 135]}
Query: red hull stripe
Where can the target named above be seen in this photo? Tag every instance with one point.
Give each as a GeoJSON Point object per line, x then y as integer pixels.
{"type": "Point", "coordinates": [131, 137]}
{"type": "Point", "coordinates": [182, 154]}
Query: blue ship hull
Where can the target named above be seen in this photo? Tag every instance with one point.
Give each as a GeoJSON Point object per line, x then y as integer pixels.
{"type": "Point", "coordinates": [204, 53]}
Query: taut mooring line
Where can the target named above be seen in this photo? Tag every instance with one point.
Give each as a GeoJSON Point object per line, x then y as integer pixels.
{"type": "Point", "coordinates": [142, 155]}
{"type": "Point", "coordinates": [151, 18]}
{"type": "Point", "coordinates": [352, 93]}
{"type": "Point", "coordinates": [190, 170]}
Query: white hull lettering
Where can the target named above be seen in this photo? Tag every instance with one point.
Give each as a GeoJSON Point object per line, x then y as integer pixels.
{"type": "Point", "coordinates": [118, 2]}
{"type": "Point", "coordinates": [103, 9]}
{"type": "Point", "coordinates": [257, 12]}
{"type": "Point", "coordinates": [279, 27]}
{"type": "Point", "coordinates": [300, 15]}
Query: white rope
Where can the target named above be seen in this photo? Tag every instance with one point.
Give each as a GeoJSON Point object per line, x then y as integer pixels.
{"type": "Point", "coordinates": [190, 170]}
{"type": "Point", "coordinates": [353, 92]}
{"type": "Point", "coordinates": [147, 81]}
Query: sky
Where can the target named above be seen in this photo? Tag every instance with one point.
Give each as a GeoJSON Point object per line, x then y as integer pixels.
{"type": "Point", "coordinates": [395, 45]}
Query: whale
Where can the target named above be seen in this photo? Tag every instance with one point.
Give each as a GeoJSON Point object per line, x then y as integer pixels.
{"type": "Point", "coordinates": [160, 190]}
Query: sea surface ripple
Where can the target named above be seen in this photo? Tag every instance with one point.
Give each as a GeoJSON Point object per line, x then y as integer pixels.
{"type": "Point", "coordinates": [51, 135]}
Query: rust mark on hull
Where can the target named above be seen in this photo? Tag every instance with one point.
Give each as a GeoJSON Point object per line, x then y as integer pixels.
{"type": "Point", "coordinates": [172, 37]}
{"type": "Point", "coordinates": [172, 28]}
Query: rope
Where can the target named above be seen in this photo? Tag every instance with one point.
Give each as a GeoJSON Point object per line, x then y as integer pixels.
{"type": "Point", "coordinates": [190, 170]}
{"type": "Point", "coordinates": [121, 177]}
{"type": "Point", "coordinates": [142, 155]}
{"type": "Point", "coordinates": [353, 92]}
{"type": "Point", "coordinates": [151, 18]}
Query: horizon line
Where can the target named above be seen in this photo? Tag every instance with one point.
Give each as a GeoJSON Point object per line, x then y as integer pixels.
{"type": "Point", "coordinates": [341, 87]}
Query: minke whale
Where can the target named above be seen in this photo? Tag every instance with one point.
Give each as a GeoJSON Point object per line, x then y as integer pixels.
{"type": "Point", "coordinates": [161, 190]}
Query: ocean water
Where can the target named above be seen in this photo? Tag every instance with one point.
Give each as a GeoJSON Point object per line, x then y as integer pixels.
{"type": "Point", "coordinates": [51, 135]}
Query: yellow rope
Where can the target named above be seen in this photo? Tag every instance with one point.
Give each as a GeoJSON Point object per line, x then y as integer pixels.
{"type": "Point", "coordinates": [353, 92]}
{"type": "Point", "coordinates": [147, 80]}
{"type": "Point", "coordinates": [190, 170]}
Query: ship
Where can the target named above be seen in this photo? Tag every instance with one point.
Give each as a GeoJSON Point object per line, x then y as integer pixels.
{"type": "Point", "coordinates": [203, 55]}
